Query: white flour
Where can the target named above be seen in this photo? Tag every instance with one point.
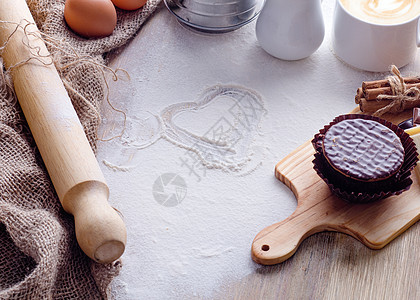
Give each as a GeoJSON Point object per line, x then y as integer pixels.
{"type": "Point", "coordinates": [224, 144]}
{"type": "Point", "coordinates": [213, 141]}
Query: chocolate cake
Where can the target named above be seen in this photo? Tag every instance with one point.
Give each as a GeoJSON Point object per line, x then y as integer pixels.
{"type": "Point", "coordinates": [364, 158]}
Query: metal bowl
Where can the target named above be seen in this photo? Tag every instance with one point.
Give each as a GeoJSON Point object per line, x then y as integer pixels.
{"type": "Point", "coordinates": [214, 16]}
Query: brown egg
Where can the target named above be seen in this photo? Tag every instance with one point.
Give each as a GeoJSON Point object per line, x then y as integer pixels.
{"type": "Point", "coordinates": [129, 4]}
{"type": "Point", "coordinates": [91, 18]}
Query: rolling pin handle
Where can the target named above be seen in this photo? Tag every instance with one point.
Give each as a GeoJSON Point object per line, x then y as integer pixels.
{"type": "Point", "coordinates": [100, 231]}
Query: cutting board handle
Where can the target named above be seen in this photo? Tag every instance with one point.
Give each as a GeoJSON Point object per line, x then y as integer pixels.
{"type": "Point", "coordinates": [277, 242]}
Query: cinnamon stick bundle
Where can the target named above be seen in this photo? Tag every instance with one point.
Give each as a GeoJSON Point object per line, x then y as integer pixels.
{"type": "Point", "coordinates": [367, 94]}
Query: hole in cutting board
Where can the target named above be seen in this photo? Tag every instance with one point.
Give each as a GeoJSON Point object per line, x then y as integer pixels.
{"type": "Point", "coordinates": [265, 247]}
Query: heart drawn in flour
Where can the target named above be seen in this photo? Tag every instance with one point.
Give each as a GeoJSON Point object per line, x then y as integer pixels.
{"type": "Point", "coordinates": [228, 118]}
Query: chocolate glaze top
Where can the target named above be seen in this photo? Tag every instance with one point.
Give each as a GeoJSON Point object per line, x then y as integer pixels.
{"type": "Point", "coordinates": [363, 149]}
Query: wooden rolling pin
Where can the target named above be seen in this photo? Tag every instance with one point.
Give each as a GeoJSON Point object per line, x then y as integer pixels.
{"type": "Point", "coordinates": [59, 135]}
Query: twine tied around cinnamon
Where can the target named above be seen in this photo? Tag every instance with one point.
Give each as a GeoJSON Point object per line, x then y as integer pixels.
{"type": "Point", "coordinates": [401, 98]}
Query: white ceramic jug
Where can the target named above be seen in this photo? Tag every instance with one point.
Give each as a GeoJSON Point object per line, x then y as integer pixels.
{"type": "Point", "coordinates": [290, 29]}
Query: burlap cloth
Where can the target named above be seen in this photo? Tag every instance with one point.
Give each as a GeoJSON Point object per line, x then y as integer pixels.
{"type": "Point", "coordinates": [39, 255]}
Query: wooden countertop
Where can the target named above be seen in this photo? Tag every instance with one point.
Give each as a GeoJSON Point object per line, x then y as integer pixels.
{"type": "Point", "coordinates": [335, 266]}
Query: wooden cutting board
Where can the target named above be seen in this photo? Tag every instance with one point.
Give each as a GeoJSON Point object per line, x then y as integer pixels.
{"type": "Point", "coordinates": [375, 224]}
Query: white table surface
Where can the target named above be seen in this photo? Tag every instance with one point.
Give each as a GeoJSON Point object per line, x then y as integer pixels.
{"type": "Point", "coordinates": [194, 249]}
